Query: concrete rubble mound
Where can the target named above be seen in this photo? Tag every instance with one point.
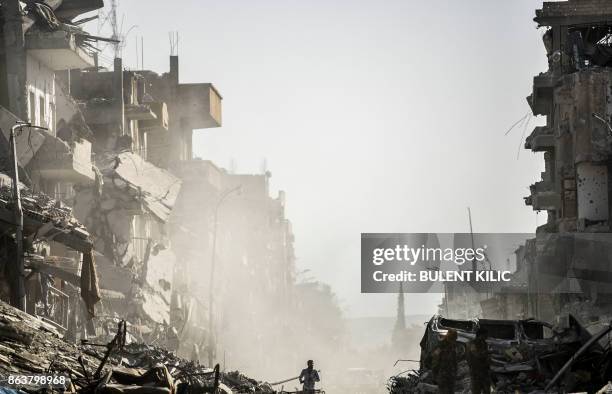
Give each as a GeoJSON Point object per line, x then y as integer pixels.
{"type": "Point", "coordinates": [30, 347]}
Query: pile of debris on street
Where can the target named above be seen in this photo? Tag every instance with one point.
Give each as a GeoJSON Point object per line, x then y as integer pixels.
{"type": "Point", "coordinates": [527, 356]}
{"type": "Point", "coordinates": [30, 347]}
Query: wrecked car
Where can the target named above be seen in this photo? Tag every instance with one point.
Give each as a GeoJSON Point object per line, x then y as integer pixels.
{"type": "Point", "coordinates": [526, 355]}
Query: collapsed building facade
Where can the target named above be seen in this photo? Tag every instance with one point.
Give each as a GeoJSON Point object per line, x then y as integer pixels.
{"type": "Point", "coordinates": [50, 80]}
{"type": "Point", "coordinates": [119, 215]}
{"type": "Point", "coordinates": [93, 156]}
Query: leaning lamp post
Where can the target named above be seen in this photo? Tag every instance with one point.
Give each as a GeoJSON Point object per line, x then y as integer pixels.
{"type": "Point", "coordinates": [211, 293]}
{"type": "Point", "coordinates": [18, 279]}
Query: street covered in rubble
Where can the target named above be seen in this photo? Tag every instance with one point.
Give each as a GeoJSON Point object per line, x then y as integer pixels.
{"type": "Point", "coordinates": [30, 346]}
{"type": "Point", "coordinates": [403, 245]}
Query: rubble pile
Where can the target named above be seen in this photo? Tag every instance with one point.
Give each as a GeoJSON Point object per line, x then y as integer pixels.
{"type": "Point", "coordinates": [526, 356]}
{"type": "Point", "coordinates": [244, 384]}
{"type": "Point", "coordinates": [39, 207]}
{"type": "Point", "coordinates": [403, 384]}
{"type": "Point", "coordinates": [29, 346]}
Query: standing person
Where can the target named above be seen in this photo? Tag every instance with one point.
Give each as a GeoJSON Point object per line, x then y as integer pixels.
{"type": "Point", "coordinates": [309, 377]}
{"type": "Point", "coordinates": [445, 363]}
{"type": "Point", "coordinates": [479, 361]}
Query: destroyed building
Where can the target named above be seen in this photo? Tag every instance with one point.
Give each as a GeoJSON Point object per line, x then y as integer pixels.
{"type": "Point", "coordinates": [128, 206]}
{"type": "Point", "coordinates": [38, 40]}
{"type": "Point", "coordinates": [191, 106]}
{"type": "Point", "coordinates": [95, 163]}
{"type": "Point", "coordinates": [119, 215]}
{"type": "Point", "coordinates": [574, 97]}
{"type": "Point", "coordinates": [566, 267]}
{"type": "Point", "coordinates": [562, 275]}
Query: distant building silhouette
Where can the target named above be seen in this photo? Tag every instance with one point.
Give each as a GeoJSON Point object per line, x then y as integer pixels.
{"type": "Point", "coordinates": [399, 337]}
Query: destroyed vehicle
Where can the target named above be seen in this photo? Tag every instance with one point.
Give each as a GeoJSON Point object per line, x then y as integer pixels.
{"type": "Point", "coordinates": [502, 335]}
{"type": "Point", "coordinates": [525, 355]}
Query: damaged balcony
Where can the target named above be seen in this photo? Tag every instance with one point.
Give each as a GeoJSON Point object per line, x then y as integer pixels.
{"type": "Point", "coordinates": [199, 104]}
{"type": "Point", "coordinates": [543, 197]}
{"type": "Point", "coordinates": [57, 160]}
{"type": "Point", "coordinates": [59, 50]}
{"type": "Point", "coordinates": [541, 99]}
{"type": "Point", "coordinates": [541, 139]}
{"type": "Point", "coordinates": [139, 112]}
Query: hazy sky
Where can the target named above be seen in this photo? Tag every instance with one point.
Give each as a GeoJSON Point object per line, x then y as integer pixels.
{"type": "Point", "coordinates": [373, 116]}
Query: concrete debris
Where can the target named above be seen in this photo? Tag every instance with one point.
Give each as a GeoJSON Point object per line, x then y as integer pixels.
{"type": "Point", "coordinates": [41, 208]}
{"type": "Point", "coordinates": [526, 356]}
{"type": "Point", "coordinates": [156, 187]}
{"type": "Point", "coordinates": [409, 383]}
{"type": "Point", "coordinates": [117, 150]}
{"type": "Point", "coordinates": [129, 186]}
{"type": "Point", "coordinates": [30, 346]}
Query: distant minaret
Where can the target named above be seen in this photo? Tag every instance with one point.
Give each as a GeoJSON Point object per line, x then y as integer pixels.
{"type": "Point", "coordinates": [399, 331]}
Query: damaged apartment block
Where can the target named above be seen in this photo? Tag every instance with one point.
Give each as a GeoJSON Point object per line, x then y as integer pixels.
{"type": "Point", "coordinates": [544, 326]}
{"type": "Point", "coordinates": [567, 267]}
{"type": "Point", "coordinates": [118, 215]}
{"type": "Point", "coordinates": [39, 40]}
{"type": "Point", "coordinates": [140, 123]}
{"type": "Point", "coordinates": [574, 95]}
{"type": "Point", "coordinates": [103, 162]}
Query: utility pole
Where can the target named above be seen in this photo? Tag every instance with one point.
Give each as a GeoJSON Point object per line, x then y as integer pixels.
{"type": "Point", "coordinates": [211, 292]}
{"type": "Point", "coordinates": [472, 236]}
{"type": "Point", "coordinates": [18, 279]}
